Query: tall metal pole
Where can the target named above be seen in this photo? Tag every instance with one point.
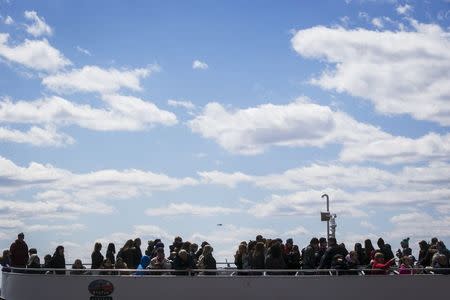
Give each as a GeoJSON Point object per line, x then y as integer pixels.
{"type": "Point", "coordinates": [328, 210]}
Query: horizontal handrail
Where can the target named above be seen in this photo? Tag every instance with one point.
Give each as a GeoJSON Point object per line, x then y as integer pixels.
{"type": "Point", "coordinates": [220, 271]}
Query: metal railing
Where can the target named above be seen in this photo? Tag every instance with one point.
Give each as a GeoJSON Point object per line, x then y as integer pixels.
{"type": "Point", "coordinates": [224, 272]}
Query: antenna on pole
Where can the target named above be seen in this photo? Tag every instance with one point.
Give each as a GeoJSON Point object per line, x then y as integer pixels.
{"type": "Point", "coordinates": [330, 218]}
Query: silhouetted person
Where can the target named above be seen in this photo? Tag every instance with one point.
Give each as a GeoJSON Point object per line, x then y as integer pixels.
{"type": "Point", "coordinates": [19, 252]}
{"type": "Point", "coordinates": [97, 257]}
{"type": "Point", "coordinates": [110, 253]}
{"type": "Point", "coordinates": [58, 260]}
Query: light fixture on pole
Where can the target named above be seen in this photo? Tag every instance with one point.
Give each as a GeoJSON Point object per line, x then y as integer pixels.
{"type": "Point", "coordinates": [325, 216]}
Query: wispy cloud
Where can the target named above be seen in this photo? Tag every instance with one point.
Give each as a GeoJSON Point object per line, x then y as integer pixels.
{"type": "Point", "coordinates": [84, 51]}
{"type": "Point", "coordinates": [179, 103]}
{"type": "Point", "coordinates": [36, 136]}
{"type": "Point", "coordinates": [8, 20]}
{"type": "Point", "coordinates": [197, 64]}
{"type": "Point", "coordinates": [96, 79]}
{"type": "Point", "coordinates": [176, 209]}
{"type": "Point", "coordinates": [405, 9]}
{"type": "Point", "coordinates": [38, 26]}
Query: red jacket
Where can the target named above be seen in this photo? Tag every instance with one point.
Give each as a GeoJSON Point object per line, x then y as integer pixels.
{"type": "Point", "coordinates": [19, 254]}
{"type": "Point", "coordinates": [381, 268]}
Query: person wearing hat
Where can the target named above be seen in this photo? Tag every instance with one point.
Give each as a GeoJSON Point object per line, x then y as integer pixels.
{"type": "Point", "coordinates": [405, 251]}
{"type": "Point", "coordinates": [19, 252]}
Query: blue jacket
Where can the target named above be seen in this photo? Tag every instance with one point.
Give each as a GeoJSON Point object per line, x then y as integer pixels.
{"type": "Point", "coordinates": [145, 261]}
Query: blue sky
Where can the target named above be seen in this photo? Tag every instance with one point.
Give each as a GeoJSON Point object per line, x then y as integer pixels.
{"type": "Point", "coordinates": [125, 119]}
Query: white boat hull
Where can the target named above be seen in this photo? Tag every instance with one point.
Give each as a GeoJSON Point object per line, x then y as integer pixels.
{"type": "Point", "coordinates": [19, 286]}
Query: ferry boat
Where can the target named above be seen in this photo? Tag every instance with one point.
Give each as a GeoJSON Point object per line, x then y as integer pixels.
{"type": "Point", "coordinates": [225, 284]}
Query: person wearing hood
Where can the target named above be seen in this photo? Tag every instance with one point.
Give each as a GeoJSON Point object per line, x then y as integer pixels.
{"type": "Point", "coordinates": [145, 261]}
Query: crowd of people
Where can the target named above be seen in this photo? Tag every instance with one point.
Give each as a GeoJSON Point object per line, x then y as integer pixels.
{"type": "Point", "coordinates": [250, 258]}
{"type": "Point", "coordinates": [183, 257]}
{"type": "Point", "coordinates": [323, 254]}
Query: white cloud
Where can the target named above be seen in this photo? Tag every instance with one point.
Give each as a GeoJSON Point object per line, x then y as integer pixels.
{"type": "Point", "coordinates": [368, 64]}
{"type": "Point", "coordinates": [96, 79]}
{"type": "Point", "coordinates": [121, 113]}
{"type": "Point", "coordinates": [185, 104]}
{"type": "Point", "coordinates": [399, 150]}
{"type": "Point", "coordinates": [177, 209]}
{"type": "Point", "coordinates": [300, 230]}
{"type": "Point", "coordinates": [306, 203]}
{"type": "Point", "coordinates": [338, 176]}
{"type": "Point", "coordinates": [103, 183]}
{"type": "Point", "coordinates": [404, 9]}
{"type": "Point", "coordinates": [196, 64]}
{"type": "Point", "coordinates": [354, 189]}
{"type": "Point", "coordinates": [377, 22]}
{"type": "Point", "coordinates": [230, 180]}
{"type": "Point", "coordinates": [38, 26]}
{"type": "Point", "coordinates": [61, 194]}
{"type": "Point", "coordinates": [8, 20]}
{"type": "Point", "coordinates": [10, 223]}
{"type": "Point", "coordinates": [36, 136]}
{"type": "Point", "coordinates": [142, 111]}
{"type": "Point", "coordinates": [345, 20]}
{"type": "Point", "coordinates": [34, 54]}
{"type": "Point", "coordinates": [52, 227]}
{"type": "Point", "coordinates": [84, 51]}
{"type": "Point", "coordinates": [145, 232]}
{"type": "Point", "coordinates": [419, 225]}
{"type": "Point", "coordinates": [353, 204]}
{"type": "Point", "coordinates": [298, 124]}
{"type": "Point", "coordinates": [368, 225]}
{"type": "Point", "coordinates": [363, 15]}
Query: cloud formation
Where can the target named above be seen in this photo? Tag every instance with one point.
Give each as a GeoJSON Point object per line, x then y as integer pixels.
{"type": "Point", "coordinates": [179, 103]}
{"type": "Point", "coordinates": [177, 209]}
{"type": "Point", "coordinates": [34, 54]}
{"type": "Point", "coordinates": [199, 65]}
{"type": "Point", "coordinates": [8, 20]}
{"type": "Point", "coordinates": [298, 124]}
{"type": "Point", "coordinates": [403, 72]}
{"type": "Point", "coordinates": [96, 79]}
{"type": "Point", "coordinates": [38, 26]}
{"type": "Point", "coordinates": [121, 113]}
{"type": "Point", "coordinates": [36, 136]}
